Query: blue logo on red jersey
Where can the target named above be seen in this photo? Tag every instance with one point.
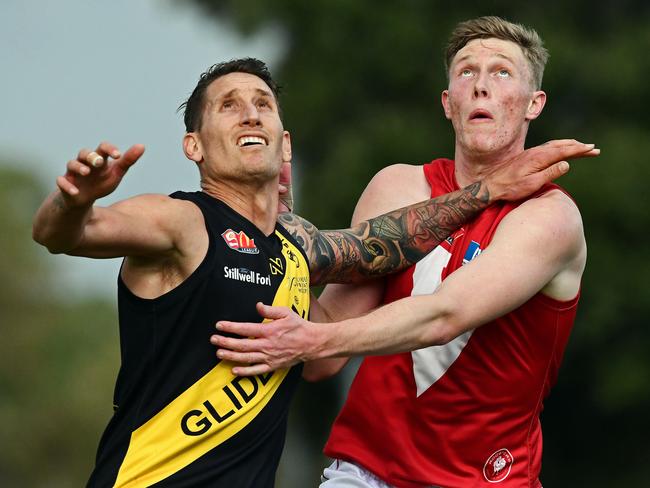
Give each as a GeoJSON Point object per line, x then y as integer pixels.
{"type": "Point", "coordinates": [473, 250]}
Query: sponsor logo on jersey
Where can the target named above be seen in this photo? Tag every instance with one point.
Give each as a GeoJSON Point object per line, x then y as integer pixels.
{"type": "Point", "coordinates": [246, 275]}
{"type": "Point", "coordinates": [498, 466]}
{"type": "Point", "coordinates": [232, 398]}
{"type": "Point", "coordinates": [473, 250]}
{"type": "Point", "coordinates": [240, 242]}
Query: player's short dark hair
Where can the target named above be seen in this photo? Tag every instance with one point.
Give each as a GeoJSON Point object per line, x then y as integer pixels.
{"type": "Point", "coordinates": [193, 107]}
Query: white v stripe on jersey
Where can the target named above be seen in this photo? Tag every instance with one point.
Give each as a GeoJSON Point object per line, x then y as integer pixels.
{"type": "Point", "coordinates": [430, 363]}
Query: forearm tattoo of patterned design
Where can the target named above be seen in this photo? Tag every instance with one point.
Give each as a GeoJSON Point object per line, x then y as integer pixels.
{"type": "Point", "coordinates": [388, 243]}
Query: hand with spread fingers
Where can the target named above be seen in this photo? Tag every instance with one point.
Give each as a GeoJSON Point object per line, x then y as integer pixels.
{"type": "Point", "coordinates": [93, 175]}
{"type": "Point", "coordinates": [265, 347]}
{"type": "Point", "coordinates": [524, 174]}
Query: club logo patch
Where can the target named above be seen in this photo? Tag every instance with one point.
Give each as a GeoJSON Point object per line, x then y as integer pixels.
{"type": "Point", "coordinates": [497, 467]}
{"type": "Point", "coordinates": [473, 250]}
{"type": "Point", "coordinates": [240, 242]}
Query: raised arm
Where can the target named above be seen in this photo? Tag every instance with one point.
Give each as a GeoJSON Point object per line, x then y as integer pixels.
{"type": "Point", "coordinates": [397, 239]}
{"type": "Point", "coordinates": [69, 222]}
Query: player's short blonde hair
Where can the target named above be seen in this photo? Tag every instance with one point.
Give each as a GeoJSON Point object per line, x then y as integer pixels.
{"type": "Point", "coordinates": [495, 27]}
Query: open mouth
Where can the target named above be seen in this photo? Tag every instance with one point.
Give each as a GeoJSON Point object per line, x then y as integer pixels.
{"type": "Point", "coordinates": [246, 141]}
{"type": "Point", "coordinates": [480, 114]}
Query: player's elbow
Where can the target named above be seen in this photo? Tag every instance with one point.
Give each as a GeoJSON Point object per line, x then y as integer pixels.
{"type": "Point", "coordinates": [445, 327]}
{"type": "Point", "coordinates": [45, 239]}
{"type": "Point", "coordinates": [40, 237]}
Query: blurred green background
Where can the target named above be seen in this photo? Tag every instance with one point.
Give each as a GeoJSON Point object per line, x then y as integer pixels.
{"type": "Point", "coordinates": [362, 83]}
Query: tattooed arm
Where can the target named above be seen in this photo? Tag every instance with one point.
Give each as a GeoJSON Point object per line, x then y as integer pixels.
{"type": "Point", "coordinates": [543, 237]}
{"type": "Point", "coordinates": [387, 243]}
{"type": "Point", "coordinates": [395, 240]}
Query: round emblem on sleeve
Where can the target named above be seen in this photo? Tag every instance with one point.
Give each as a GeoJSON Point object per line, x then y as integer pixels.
{"type": "Point", "coordinates": [497, 467]}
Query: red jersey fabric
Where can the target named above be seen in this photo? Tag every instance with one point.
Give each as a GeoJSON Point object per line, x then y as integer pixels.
{"type": "Point", "coordinates": [465, 414]}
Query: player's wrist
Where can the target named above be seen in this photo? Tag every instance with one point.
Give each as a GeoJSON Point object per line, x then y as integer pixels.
{"type": "Point", "coordinates": [325, 340]}
{"type": "Point", "coordinates": [487, 192]}
{"type": "Point", "coordinates": [69, 204]}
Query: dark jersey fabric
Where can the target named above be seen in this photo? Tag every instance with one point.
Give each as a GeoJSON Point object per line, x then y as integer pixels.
{"type": "Point", "coordinates": [174, 401]}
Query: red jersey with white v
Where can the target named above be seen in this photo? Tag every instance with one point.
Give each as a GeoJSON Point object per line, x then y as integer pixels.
{"type": "Point", "coordinates": [467, 413]}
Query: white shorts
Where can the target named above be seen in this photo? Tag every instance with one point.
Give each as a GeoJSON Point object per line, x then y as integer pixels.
{"type": "Point", "coordinates": [342, 474]}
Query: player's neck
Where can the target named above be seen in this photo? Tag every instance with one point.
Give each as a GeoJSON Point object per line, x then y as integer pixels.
{"type": "Point", "coordinates": [257, 202]}
{"type": "Point", "coordinates": [471, 166]}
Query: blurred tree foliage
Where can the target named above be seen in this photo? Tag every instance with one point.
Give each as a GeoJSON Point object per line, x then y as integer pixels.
{"type": "Point", "coordinates": [362, 81]}
{"type": "Point", "coordinates": [57, 359]}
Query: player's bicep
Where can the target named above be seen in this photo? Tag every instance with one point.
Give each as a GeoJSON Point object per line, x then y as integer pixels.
{"type": "Point", "coordinates": [532, 245]}
{"type": "Point", "coordinates": [143, 225]}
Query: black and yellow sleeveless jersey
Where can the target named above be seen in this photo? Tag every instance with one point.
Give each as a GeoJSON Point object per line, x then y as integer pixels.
{"type": "Point", "coordinates": [181, 418]}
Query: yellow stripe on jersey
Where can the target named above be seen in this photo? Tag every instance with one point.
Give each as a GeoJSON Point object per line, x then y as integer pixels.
{"type": "Point", "coordinates": [216, 407]}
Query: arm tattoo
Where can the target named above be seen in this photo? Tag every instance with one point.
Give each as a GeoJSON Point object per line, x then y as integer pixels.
{"type": "Point", "coordinates": [388, 243]}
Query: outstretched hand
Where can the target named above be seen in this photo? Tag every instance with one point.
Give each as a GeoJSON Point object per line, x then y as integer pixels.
{"type": "Point", "coordinates": [280, 343]}
{"type": "Point", "coordinates": [92, 175]}
{"type": "Point", "coordinates": [527, 172]}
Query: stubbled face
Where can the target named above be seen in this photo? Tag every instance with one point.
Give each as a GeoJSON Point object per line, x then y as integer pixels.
{"type": "Point", "coordinates": [241, 136]}
{"type": "Point", "coordinates": [490, 100]}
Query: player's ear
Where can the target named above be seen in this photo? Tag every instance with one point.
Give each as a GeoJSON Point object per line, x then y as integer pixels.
{"type": "Point", "coordinates": [444, 98]}
{"type": "Point", "coordinates": [192, 147]}
{"type": "Point", "coordinates": [536, 105]}
{"type": "Point", "coordinates": [286, 147]}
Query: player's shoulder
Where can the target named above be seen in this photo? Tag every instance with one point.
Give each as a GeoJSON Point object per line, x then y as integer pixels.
{"type": "Point", "coordinates": [393, 187]}
{"type": "Point", "coordinates": [552, 220]}
{"type": "Point", "coordinates": [156, 202]}
{"type": "Point", "coordinates": [554, 205]}
{"type": "Point", "coordinates": [397, 174]}
{"type": "Point", "coordinates": [167, 211]}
